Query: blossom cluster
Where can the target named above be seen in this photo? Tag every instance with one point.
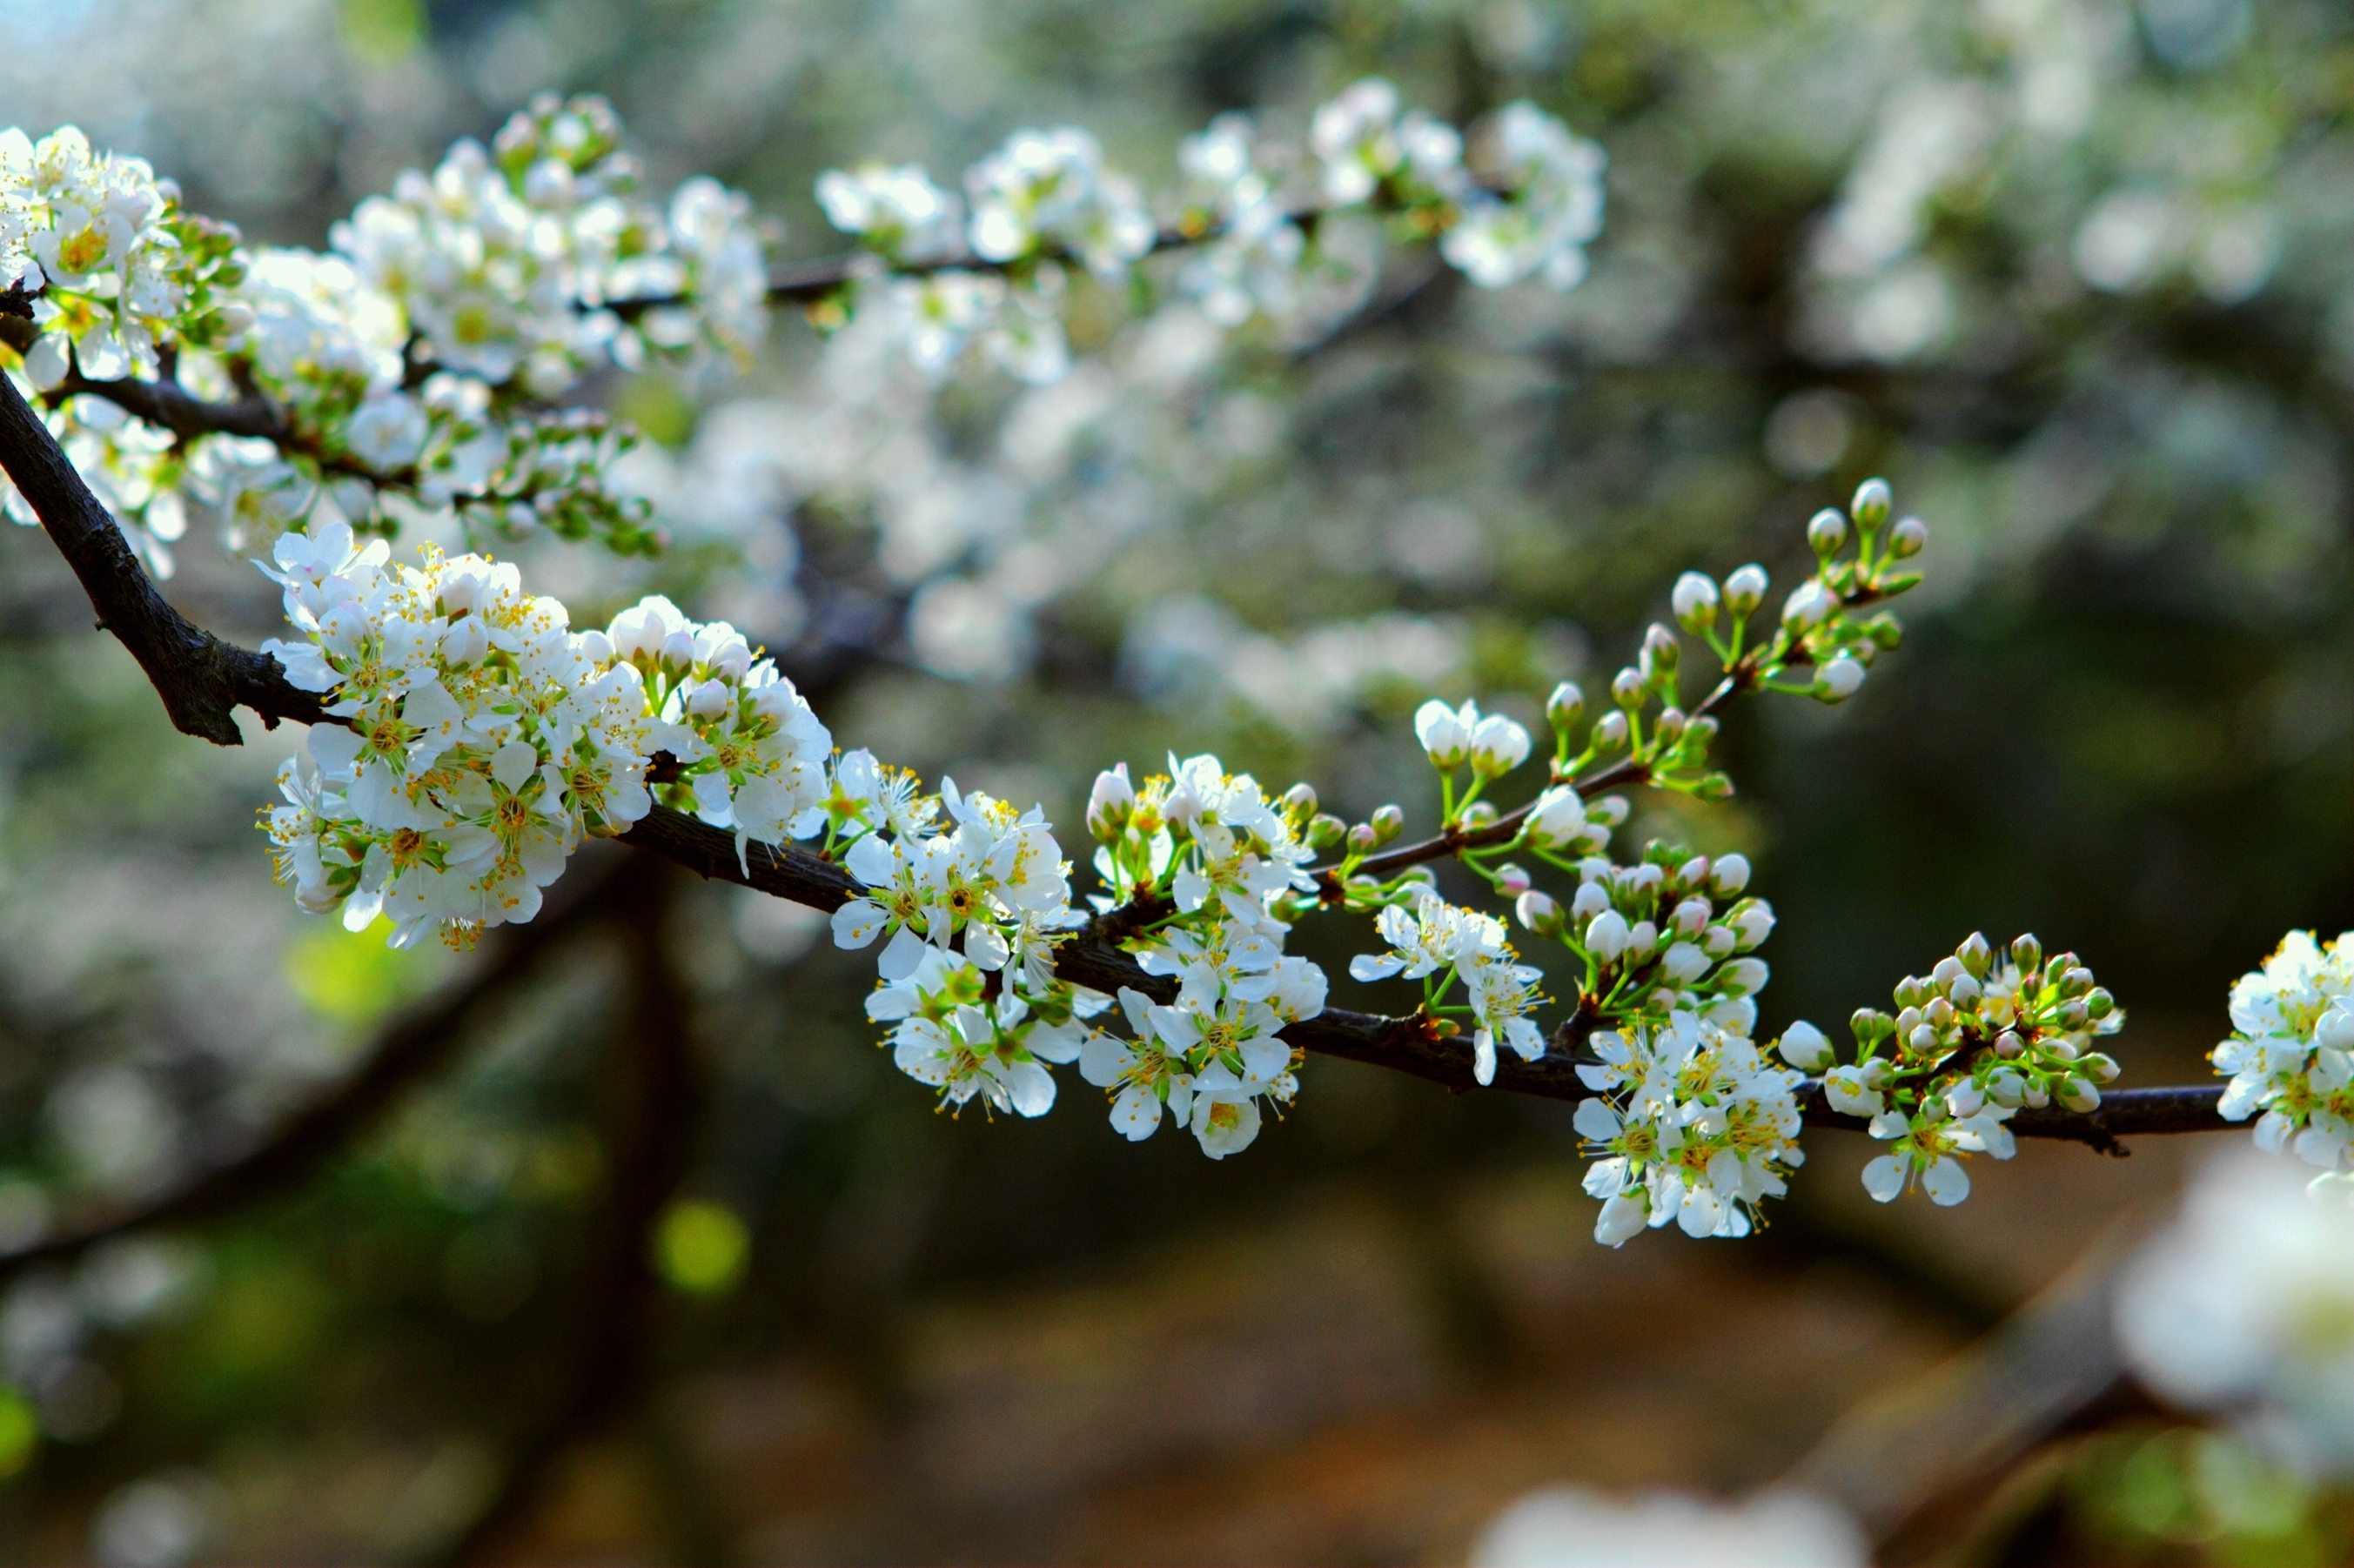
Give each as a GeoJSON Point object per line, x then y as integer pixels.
{"type": "Point", "coordinates": [1526, 203]}
{"type": "Point", "coordinates": [481, 738]}
{"type": "Point", "coordinates": [1441, 943]}
{"type": "Point", "coordinates": [418, 357]}
{"type": "Point", "coordinates": [1982, 1034]}
{"type": "Point", "coordinates": [2291, 1054]}
{"type": "Point", "coordinates": [1231, 862]}
{"type": "Point", "coordinates": [1693, 1124]}
{"type": "Point", "coordinates": [114, 269]}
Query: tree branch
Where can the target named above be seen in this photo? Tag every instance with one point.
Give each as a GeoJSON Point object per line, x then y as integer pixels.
{"type": "Point", "coordinates": [412, 1048]}
{"type": "Point", "coordinates": [201, 678]}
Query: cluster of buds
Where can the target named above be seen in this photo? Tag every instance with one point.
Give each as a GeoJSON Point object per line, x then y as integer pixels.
{"type": "Point", "coordinates": [1672, 932]}
{"type": "Point", "coordinates": [1984, 1034]}
{"type": "Point", "coordinates": [1669, 748]}
{"type": "Point", "coordinates": [1820, 630]}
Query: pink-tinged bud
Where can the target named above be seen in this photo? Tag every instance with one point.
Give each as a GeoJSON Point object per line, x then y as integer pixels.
{"type": "Point", "coordinates": [1537, 912]}
{"type": "Point", "coordinates": [1512, 880]}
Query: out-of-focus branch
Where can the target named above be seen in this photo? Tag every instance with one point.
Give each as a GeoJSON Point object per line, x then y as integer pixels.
{"type": "Point", "coordinates": [201, 679]}
{"type": "Point", "coordinates": [411, 1049]}
{"type": "Point", "coordinates": [652, 1117]}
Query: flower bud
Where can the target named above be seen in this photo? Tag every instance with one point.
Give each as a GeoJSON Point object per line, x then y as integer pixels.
{"type": "Point", "coordinates": [1825, 532]}
{"type": "Point", "coordinates": [1743, 977]}
{"type": "Point", "coordinates": [1939, 1012]}
{"type": "Point", "coordinates": [1691, 915]}
{"type": "Point", "coordinates": [677, 651]}
{"type": "Point", "coordinates": [2008, 1044]}
{"type": "Point", "coordinates": [1324, 831]}
{"type": "Point", "coordinates": [2099, 1004]}
{"type": "Point", "coordinates": [1869, 507]}
{"type": "Point", "coordinates": [1908, 537]}
{"type": "Point", "coordinates": [1592, 898]}
{"type": "Point", "coordinates": [1908, 1019]}
{"type": "Point", "coordinates": [236, 317]}
{"type": "Point", "coordinates": [1110, 803]}
{"type": "Point", "coordinates": [1965, 991]}
{"type": "Point", "coordinates": [1478, 816]}
{"type": "Point", "coordinates": [1887, 633]}
{"type": "Point", "coordinates": [1564, 707]}
{"type": "Point", "coordinates": [1808, 605]}
{"type": "Point", "coordinates": [1444, 732]}
{"type": "Point", "coordinates": [1745, 590]}
{"type": "Point", "coordinates": [1975, 956]}
{"type": "Point", "coordinates": [1300, 802]}
{"type": "Point", "coordinates": [1628, 688]}
{"type": "Point", "coordinates": [730, 659]}
{"type": "Point", "coordinates": [1683, 962]}
{"type": "Point", "coordinates": [1606, 935]}
{"type": "Point", "coordinates": [1537, 912]}
{"type": "Point", "coordinates": [2078, 1095]}
{"type": "Point", "coordinates": [1641, 937]}
{"type": "Point", "coordinates": [1695, 602]}
{"type": "Point", "coordinates": [1610, 731]}
{"type": "Point", "coordinates": [1838, 680]}
{"type": "Point", "coordinates": [1924, 1038]}
{"type": "Point", "coordinates": [1388, 822]}
{"type": "Point", "coordinates": [2036, 1096]}
{"type": "Point", "coordinates": [1498, 746]}
{"type": "Point", "coordinates": [467, 642]}
{"type": "Point", "coordinates": [1911, 992]}
{"type": "Point", "coordinates": [2104, 1067]}
{"type": "Point", "coordinates": [2027, 952]}
{"type": "Point", "coordinates": [2073, 1015]}
{"type": "Point", "coordinates": [1804, 1047]}
{"type": "Point", "coordinates": [1752, 920]}
{"type": "Point", "coordinates": [1363, 840]}
{"type": "Point", "coordinates": [1661, 651]}
{"type": "Point", "coordinates": [1693, 872]}
{"type": "Point", "coordinates": [1554, 817]}
{"type": "Point", "coordinates": [1512, 880]}
{"type": "Point", "coordinates": [1729, 874]}
{"type": "Point", "coordinates": [1609, 811]}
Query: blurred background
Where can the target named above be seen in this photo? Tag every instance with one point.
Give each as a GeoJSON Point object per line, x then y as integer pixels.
{"type": "Point", "coordinates": [2074, 274]}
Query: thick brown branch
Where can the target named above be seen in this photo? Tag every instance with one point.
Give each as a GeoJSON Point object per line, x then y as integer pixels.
{"type": "Point", "coordinates": [200, 678]}
{"type": "Point", "coordinates": [200, 675]}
